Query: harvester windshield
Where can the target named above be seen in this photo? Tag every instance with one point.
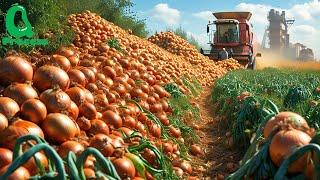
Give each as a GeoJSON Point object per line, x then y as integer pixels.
{"type": "Point", "coordinates": [227, 33]}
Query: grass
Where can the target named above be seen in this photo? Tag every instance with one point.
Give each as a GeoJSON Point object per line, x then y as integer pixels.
{"type": "Point", "coordinates": [290, 90]}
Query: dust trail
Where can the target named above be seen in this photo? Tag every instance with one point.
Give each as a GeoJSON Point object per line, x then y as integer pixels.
{"type": "Point", "coordinates": [271, 60]}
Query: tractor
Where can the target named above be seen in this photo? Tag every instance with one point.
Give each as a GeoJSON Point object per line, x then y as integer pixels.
{"type": "Point", "coordinates": [233, 33]}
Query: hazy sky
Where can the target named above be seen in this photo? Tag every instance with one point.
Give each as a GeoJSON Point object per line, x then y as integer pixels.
{"type": "Point", "coordinates": [193, 15]}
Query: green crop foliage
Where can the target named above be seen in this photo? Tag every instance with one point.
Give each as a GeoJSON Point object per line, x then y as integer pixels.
{"type": "Point", "coordinates": [290, 90]}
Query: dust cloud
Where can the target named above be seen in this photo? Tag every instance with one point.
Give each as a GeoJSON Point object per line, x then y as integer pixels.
{"type": "Point", "coordinates": [276, 61]}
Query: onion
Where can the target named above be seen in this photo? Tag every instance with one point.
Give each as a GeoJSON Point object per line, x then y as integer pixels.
{"type": "Point", "coordinates": [3, 123]}
{"type": "Point", "coordinates": [77, 77]}
{"type": "Point", "coordinates": [8, 107]}
{"type": "Point", "coordinates": [129, 121]}
{"type": "Point", "coordinates": [155, 130]}
{"type": "Point", "coordinates": [74, 60]}
{"type": "Point", "coordinates": [77, 95]}
{"type": "Point", "coordinates": [9, 136]}
{"type": "Point", "coordinates": [92, 87]}
{"type": "Point", "coordinates": [186, 167]}
{"type": "Point", "coordinates": [34, 110]}
{"type": "Point", "coordinates": [21, 173]}
{"type": "Point", "coordinates": [160, 90]}
{"type": "Point", "coordinates": [68, 146]}
{"type": "Point", "coordinates": [124, 167]}
{"type": "Point", "coordinates": [100, 100]}
{"type": "Point", "coordinates": [15, 69]}
{"type": "Point", "coordinates": [59, 127]}
{"type": "Point", "coordinates": [162, 116]}
{"type": "Point", "coordinates": [64, 51]}
{"type": "Point", "coordinates": [150, 156]}
{"type": "Point", "coordinates": [84, 123]}
{"type": "Point", "coordinates": [98, 126]}
{"type": "Point", "coordinates": [284, 143]}
{"type": "Point", "coordinates": [196, 150]}
{"type": "Point", "coordinates": [47, 77]}
{"type": "Point", "coordinates": [5, 157]}
{"type": "Point", "coordinates": [179, 172]}
{"type": "Point", "coordinates": [30, 126]}
{"type": "Point", "coordinates": [289, 117]}
{"type": "Point", "coordinates": [88, 110]}
{"type": "Point", "coordinates": [109, 72]}
{"type": "Point", "coordinates": [20, 92]}
{"type": "Point", "coordinates": [112, 119]}
{"type": "Point", "coordinates": [55, 100]}
{"type": "Point", "coordinates": [88, 73]}
{"type": "Point", "coordinates": [89, 96]}
{"type": "Point", "coordinates": [89, 173]}
{"type": "Point", "coordinates": [61, 61]}
{"type": "Point", "coordinates": [155, 108]}
{"type": "Point", "coordinates": [102, 142]}
{"type": "Point", "coordinates": [73, 111]}
{"type": "Point", "coordinates": [175, 132]}
{"type": "Point", "coordinates": [31, 164]}
{"type": "Point", "coordinates": [167, 148]}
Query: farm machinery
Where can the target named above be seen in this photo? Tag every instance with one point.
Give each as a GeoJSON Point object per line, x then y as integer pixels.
{"type": "Point", "coordinates": [233, 36]}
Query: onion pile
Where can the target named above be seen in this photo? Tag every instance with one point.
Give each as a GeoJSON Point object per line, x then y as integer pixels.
{"type": "Point", "coordinates": [82, 96]}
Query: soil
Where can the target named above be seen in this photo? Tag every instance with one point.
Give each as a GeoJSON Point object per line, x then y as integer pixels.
{"type": "Point", "coordinates": [219, 159]}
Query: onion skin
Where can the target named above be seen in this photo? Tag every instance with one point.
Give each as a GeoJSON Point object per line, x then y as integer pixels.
{"type": "Point", "coordinates": [5, 157]}
{"type": "Point", "coordinates": [47, 77]}
{"type": "Point", "coordinates": [73, 111]}
{"type": "Point", "coordinates": [21, 173]}
{"type": "Point", "coordinates": [68, 146]}
{"type": "Point", "coordinates": [20, 92]}
{"type": "Point", "coordinates": [99, 126]}
{"type": "Point", "coordinates": [59, 127]}
{"type": "Point", "coordinates": [34, 110]}
{"type": "Point", "coordinates": [31, 164]}
{"type": "Point", "coordinates": [61, 61]}
{"type": "Point", "coordinates": [124, 167]}
{"type": "Point", "coordinates": [89, 173]}
{"type": "Point", "coordinates": [112, 119]}
{"type": "Point", "coordinates": [55, 100]}
{"type": "Point", "coordinates": [88, 110]}
{"type": "Point", "coordinates": [3, 122]}
{"type": "Point", "coordinates": [77, 77]}
{"type": "Point", "coordinates": [84, 123]}
{"type": "Point", "coordinates": [186, 167]}
{"type": "Point", "coordinates": [102, 142]}
{"type": "Point", "coordinates": [284, 143]}
{"type": "Point", "coordinates": [290, 117]}
{"type": "Point", "coordinates": [88, 73]}
{"type": "Point", "coordinates": [30, 126]}
{"type": "Point", "coordinates": [15, 69]}
{"type": "Point", "coordinates": [8, 107]}
{"type": "Point", "coordinates": [77, 95]}
{"type": "Point", "coordinates": [9, 136]}
{"type": "Point", "coordinates": [196, 150]}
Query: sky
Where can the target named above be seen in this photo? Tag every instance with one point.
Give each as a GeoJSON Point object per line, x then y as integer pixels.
{"type": "Point", "coordinates": [193, 16]}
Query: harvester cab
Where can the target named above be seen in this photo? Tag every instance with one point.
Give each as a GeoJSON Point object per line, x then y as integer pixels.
{"type": "Point", "coordinates": [233, 32]}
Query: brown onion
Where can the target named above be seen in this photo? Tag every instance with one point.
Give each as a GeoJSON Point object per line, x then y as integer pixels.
{"type": "Point", "coordinates": [30, 126]}
{"type": "Point", "coordinates": [34, 110]}
{"type": "Point", "coordinates": [73, 111]}
{"type": "Point", "coordinates": [21, 173]}
{"type": "Point", "coordinates": [84, 123]}
{"type": "Point", "coordinates": [77, 95]}
{"type": "Point", "coordinates": [175, 132]}
{"type": "Point", "coordinates": [109, 72]}
{"type": "Point", "coordinates": [77, 77]}
{"type": "Point", "coordinates": [124, 167]}
{"type": "Point", "coordinates": [89, 74]}
{"type": "Point", "coordinates": [289, 117]}
{"type": "Point", "coordinates": [31, 164]}
{"type": "Point", "coordinates": [47, 77]}
{"type": "Point", "coordinates": [61, 61]}
{"type": "Point", "coordinates": [15, 69]}
{"type": "Point", "coordinates": [284, 143]}
{"type": "Point", "coordinates": [68, 146]}
{"type": "Point", "coordinates": [59, 127]}
{"type": "Point", "coordinates": [112, 119]}
{"type": "Point", "coordinates": [98, 126]}
{"type": "Point", "coordinates": [3, 122]}
{"type": "Point", "coordinates": [20, 92]}
{"type": "Point", "coordinates": [5, 157]}
{"type": "Point", "coordinates": [88, 110]}
{"type": "Point", "coordinates": [186, 167]}
{"type": "Point", "coordinates": [8, 107]}
{"type": "Point", "coordinates": [55, 100]}
{"type": "Point", "coordinates": [9, 136]}
{"type": "Point", "coordinates": [196, 150]}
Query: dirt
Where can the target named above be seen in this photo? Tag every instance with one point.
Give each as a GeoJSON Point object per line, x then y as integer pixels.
{"type": "Point", "coordinates": [219, 159]}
